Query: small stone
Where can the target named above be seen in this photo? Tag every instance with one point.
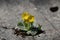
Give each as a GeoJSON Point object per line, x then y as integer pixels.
{"type": "Point", "coordinates": [54, 9]}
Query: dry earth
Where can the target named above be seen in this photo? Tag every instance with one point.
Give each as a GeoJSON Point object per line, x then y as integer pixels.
{"type": "Point", "coordinates": [10, 11]}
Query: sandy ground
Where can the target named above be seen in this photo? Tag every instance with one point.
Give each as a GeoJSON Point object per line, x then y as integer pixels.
{"type": "Point", "coordinates": [10, 11]}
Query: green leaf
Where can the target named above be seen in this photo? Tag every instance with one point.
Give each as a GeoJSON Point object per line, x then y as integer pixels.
{"type": "Point", "coordinates": [20, 24]}
{"type": "Point", "coordinates": [27, 26]}
{"type": "Point", "coordinates": [39, 28]}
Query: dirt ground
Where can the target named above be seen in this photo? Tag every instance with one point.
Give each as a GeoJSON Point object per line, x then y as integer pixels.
{"type": "Point", "coordinates": [10, 11]}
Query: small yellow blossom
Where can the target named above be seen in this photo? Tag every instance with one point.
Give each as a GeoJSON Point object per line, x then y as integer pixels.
{"type": "Point", "coordinates": [27, 17]}
{"type": "Point", "coordinates": [31, 19]}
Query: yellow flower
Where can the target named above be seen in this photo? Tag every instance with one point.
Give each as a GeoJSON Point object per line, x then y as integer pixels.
{"type": "Point", "coordinates": [31, 18]}
{"type": "Point", "coordinates": [25, 15]}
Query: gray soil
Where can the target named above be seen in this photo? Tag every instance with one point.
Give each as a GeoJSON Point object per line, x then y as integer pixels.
{"type": "Point", "coordinates": [10, 14]}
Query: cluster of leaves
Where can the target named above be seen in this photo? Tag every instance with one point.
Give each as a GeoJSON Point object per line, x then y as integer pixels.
{"type": "Point", "coordinates": [29, 27]}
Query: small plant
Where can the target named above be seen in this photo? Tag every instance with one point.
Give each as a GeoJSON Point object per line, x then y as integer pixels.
{"type": "Point", "coordinates": [28, 26]}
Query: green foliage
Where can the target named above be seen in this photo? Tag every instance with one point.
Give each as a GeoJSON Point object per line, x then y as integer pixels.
{"type": "Point", "coordinates": [20, 24]}
{"type": "Point", "coordinates": [27, 26]}
{"type": "Point", "coordinates": [39, 28]}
